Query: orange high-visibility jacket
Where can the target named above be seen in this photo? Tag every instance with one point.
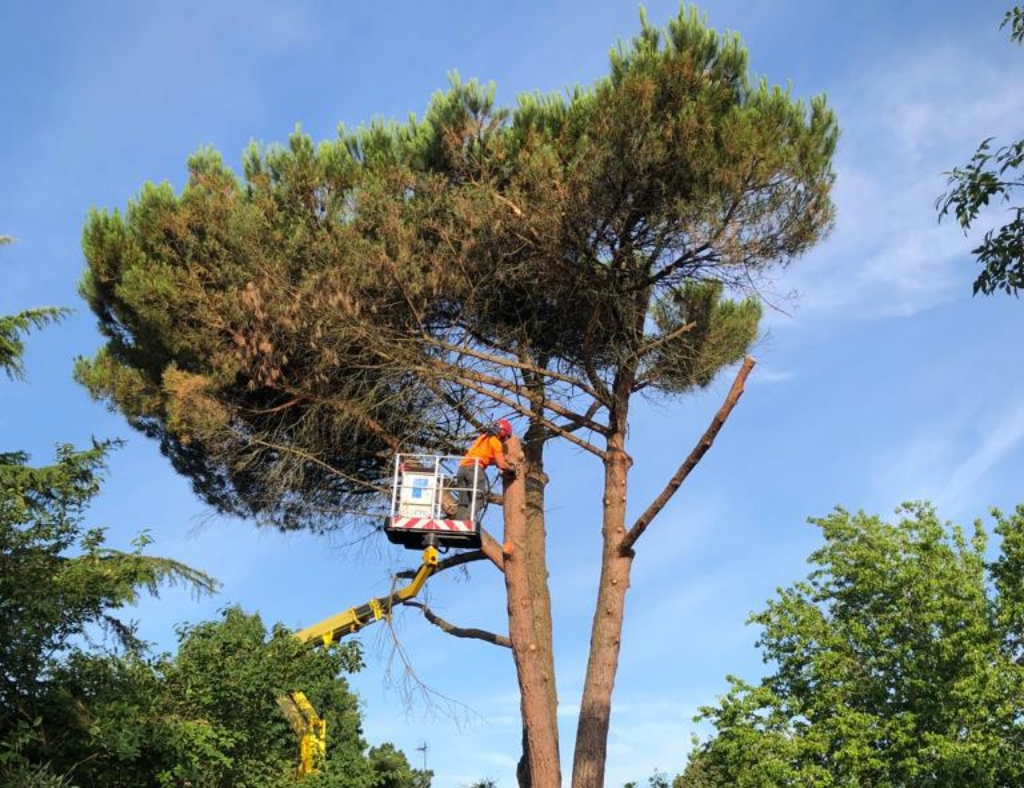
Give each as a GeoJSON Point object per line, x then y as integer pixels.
{"type": "Point", "coordinates": [487, 449]}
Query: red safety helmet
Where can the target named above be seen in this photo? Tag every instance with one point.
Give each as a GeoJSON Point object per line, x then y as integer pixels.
{"type": "Point", "coordinates": [503, 428]}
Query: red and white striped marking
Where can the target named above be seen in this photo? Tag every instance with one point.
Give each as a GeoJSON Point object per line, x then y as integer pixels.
{"type": "Point", "coordinates": [432, 524]}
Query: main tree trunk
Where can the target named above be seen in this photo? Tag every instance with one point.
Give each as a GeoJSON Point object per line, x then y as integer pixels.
{"type": "Point", "coordinates": [531, 644]}
{"type": "Point", "coordinates": [606, 633]}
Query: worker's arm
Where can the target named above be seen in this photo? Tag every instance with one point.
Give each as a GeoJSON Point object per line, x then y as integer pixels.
{"type": "Point", "coordinates": [501, 460]}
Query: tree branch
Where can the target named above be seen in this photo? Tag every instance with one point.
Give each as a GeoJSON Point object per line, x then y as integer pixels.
{"type": "Point", "coordinates": [369, 424]}
{"type": "Point", "coordinates": [447, 563]}
{"type": "Point", "coordinates": [695, 256]}
{"type": "Point", "coordinates": [657, 342]}
{"type": "Point", "coordinates": [492, 550]}
{"type": "Point", "coordinates": [544, 401]}
{"type": "Point", "coordinates": [695, 456]}
{"type": "Point", "coordinates": [480, 389]}
{"type": "Point", "coordinates": [461, 632]}
{"type": "Point", "coordinates": [304, 455]}
{"type": "Point", "coordinates": [508, 362]}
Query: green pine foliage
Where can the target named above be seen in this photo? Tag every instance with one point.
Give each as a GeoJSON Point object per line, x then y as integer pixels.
{"type": "Point", "coordinates": [281, 332]}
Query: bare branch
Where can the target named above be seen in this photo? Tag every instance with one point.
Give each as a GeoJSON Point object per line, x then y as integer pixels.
{"type": "Point", "coordinates": [512, 363]}
{"type": "Point", "coordinates": [267, 411]}
{"type": "Point", "coordinates": [489, 547]}
{"type": "Point", "coordinates": [697, 256]}
{"type": "Point", "coordinates": [698, 452]}
{"type": "Point", "coordinates": [304, 455]}
{"type": "Point", "coordinates": [370, 424]}
{"type": "Point", "coordinates": [578, 419]}
{"type": "Point", "coordinates": [448, 563]}
{"type": "Point", "coordinates": [461, 632]}
{"type": "Point", "coordinates": [586, 445]}
{"type": "Point", "coordinates": [657, 342]}
{"type": "Point", "coordinates": [600, 389]}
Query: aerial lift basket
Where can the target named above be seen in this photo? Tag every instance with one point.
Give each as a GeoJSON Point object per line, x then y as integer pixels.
{"type": "Point", "coordinates": [424, 499]}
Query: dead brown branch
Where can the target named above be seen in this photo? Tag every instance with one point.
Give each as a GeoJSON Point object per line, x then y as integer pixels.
{"type": "Point", "coordinates": [698, 452]}
{"type": "Point", "coordinates": [461, 632]}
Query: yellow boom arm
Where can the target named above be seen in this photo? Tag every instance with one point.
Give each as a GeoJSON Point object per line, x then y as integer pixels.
{"type": "Point", "coordinates": [355, 618]}
{"type": "Point", "coordinates": [311, 728]}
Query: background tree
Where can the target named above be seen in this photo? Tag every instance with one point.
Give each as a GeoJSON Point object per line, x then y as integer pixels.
{"type": "Point", "coordinates": [282, 336]}
{"type": "Point", "coordinates": [81, 700]}
{"type": "Point", "coordinates": [993, 176]}
{"type": "Point", "coordinates": [13, 328]}
{"type": "Point", "coordinates": [897, 662]}
{"type": "Point", "coordinates": [102, 712]}
{"type": "Point", "coordinates": [215, 721]}
{"type": "Point", "coordinates": [59, 583]}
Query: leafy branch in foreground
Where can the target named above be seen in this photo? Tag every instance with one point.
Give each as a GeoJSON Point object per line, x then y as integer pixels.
{"type": "Point", "coordinates": [993, 176]}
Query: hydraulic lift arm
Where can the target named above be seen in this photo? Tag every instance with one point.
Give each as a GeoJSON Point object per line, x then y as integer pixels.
{"type": "Point", "coordinates": [310, 727]}
{"type": "Point", "coordinates": [345, 623]}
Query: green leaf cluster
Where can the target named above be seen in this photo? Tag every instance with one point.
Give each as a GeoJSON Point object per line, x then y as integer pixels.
{"type": "Point", "coordinates": [58, 580]}
{"type": "Point", "coordinates": [101, 715]}
{"type": "Point", "coordinates": [993, 176]}
{"type": "Point", "coordinates": [83, 703]}
{"type": "Point", "coordinates": [896, 663]}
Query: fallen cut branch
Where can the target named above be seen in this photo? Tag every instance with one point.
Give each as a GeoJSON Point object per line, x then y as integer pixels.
{"type": "Point", "coordinates": [461, 632]}
{"type": "Point", "coordinates": [698, 452]}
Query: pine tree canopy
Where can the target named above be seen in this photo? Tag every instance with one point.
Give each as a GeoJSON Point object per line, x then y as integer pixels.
{"type": "Point", "coordinates": [283, 332]}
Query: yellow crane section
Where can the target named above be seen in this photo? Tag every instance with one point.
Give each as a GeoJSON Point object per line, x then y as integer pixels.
{"type": "Point", "coordinates": [345, 623]}
{"type": "Point", "coordinates": [311, 729]}
{"type": "Point", "coordinates": [307, 724]}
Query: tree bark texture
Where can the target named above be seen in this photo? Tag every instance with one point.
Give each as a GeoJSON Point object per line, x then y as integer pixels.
{"type": "Point", "coordinates": [616, 565]}
{"type": "Point", "coordinates": [606, 633]}
{"type": "Point", "coordinates": [535, 555]}
{"type": "Point", "coordinates": [540, 724]}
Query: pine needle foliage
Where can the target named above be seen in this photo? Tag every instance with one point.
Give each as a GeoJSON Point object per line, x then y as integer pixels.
{"type": "Point", "coordinates": [281, 333]}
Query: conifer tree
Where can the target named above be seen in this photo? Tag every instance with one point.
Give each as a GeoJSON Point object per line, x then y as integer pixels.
{"type": "Point", "coordinates": [281, 335]}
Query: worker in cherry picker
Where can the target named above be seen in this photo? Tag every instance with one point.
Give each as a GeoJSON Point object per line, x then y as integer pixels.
{"type": "Point", "coordinates": [471, 479]}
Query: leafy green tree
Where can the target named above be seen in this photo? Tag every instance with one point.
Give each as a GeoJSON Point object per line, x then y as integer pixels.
{"type": "Point", "coordinates": [59, 583]}
{"type": "Point", "coordinates": [60, 589]}
{"type": "Point", "coordinates": [284, 335]}
{"type": "Point", "coordinates": [13, 327]}
{"type": "Point", "coordinates": [216, 722]}
{"type": "Point", "coordinates": [392, 770]}
{"type": "Point", "coordinates": [993, 176]}
{"type": "Point", "coordinates": [81, 701]}
{"type": "Point", "coordinates": [897, 662]}
{"type": "Point", "coordinates": [207, 716]}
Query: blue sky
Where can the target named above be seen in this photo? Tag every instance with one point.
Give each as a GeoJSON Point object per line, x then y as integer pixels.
{"type": "Point", "coordinates": [882, 380]}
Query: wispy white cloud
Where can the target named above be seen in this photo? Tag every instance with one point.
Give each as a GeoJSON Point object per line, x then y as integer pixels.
{"type": "Point", "coordinates": [652, 732]}
{"type": "Point", "coordinates": [772, 375]}
{"type": "Point", "coordinates": [1002, 437]}
{"type": "Point", "coordinates": [950, 460]}
{"type": "Point", "coordinates": [905, 122]}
